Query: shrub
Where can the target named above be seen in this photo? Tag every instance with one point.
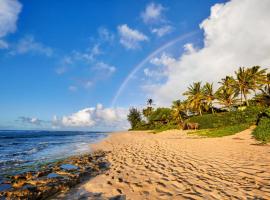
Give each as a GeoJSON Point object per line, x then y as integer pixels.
{"type": "Point", "coordinates": [160, 116]}
{"type": "Point", "coordinates": [134, 118]}
{"type": "Point", "coordinates": [247, 116]}
{"type": "Point", "coordinates": [262, 131]}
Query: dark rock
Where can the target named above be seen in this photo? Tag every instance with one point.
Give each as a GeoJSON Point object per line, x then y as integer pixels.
{"type": "Point", "coordinates": [53, 178]}
{"type": "Point", "coordinates": [68, 167]}
{"type": "Point", "coordinates": [118, 197]}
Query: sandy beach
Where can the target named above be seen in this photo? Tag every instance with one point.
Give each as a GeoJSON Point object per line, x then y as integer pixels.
{"type": "Point", "coordinates": [177, 165]}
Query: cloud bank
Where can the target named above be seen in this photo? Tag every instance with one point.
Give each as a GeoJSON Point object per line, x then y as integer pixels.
{"type": "Point", "coordinates": [95, 117]}
{"type": "Point", "coordinates": [235, 34]}
{"type": "Point", "coordinates": [9, 12]}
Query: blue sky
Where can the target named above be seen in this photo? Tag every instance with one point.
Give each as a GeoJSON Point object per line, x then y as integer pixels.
{"type": "Point", "coordinates": [62, 62]}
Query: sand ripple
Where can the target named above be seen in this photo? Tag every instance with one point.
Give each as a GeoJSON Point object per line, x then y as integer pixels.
{"type": "Point", "coordinates": [173, 165]}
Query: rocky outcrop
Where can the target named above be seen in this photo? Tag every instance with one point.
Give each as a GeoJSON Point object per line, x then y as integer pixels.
{"type": "Point", "coordinates": [53, 178]}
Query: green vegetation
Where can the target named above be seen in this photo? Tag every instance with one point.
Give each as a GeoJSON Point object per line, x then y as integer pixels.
{"type": "Point", "coordinates": [220, 132]}
{"type": "Point", "coordinates": [235, 105]}
{"type": "Point", "coordinates": [247, 116]}
{"type": "Point", "coordinates": [134, 117]}
{"type": "Point", "coordinates": [262, 131]}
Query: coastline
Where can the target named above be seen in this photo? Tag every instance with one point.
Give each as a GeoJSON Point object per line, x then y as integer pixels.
{"type": "Point", "coordinates": [169, 165]}
{"type": "Point", "coordinates": [177, 165]}
{"type": "Point", "coordinates": [53, 177]}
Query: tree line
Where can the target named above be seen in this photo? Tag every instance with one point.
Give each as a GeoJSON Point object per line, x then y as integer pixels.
{"type": "Point", "coordinates": [248, 86]}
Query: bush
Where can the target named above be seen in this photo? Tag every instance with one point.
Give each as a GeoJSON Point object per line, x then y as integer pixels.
{"type": "Point", "coordinates": [208, 121]}
{"type": "Point", "coordinates": [134, 118]}
{"type": "Point", "coordinates": [160, 115]}
{"type": "Point", "coordinates": [223, 131]}
{"type": "Point", "coordinates": [262, 131]}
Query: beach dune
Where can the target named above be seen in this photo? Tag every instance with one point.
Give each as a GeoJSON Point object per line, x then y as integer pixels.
{"type": "Point", "coordinates": [177, 165]}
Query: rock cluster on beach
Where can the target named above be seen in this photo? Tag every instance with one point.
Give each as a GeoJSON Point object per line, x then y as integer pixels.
{"type": "Point", "coordinates": [53, 178]}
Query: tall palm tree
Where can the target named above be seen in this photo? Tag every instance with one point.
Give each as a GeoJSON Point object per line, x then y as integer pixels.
{"type": "Point", "coordinates": [178, 108]}
{"type": "Point", "coordinates": [195, 97]}
{"type": "Point", "coordinates": [244, 83]}
{"type": "Point", "coordinates": [209, 95]}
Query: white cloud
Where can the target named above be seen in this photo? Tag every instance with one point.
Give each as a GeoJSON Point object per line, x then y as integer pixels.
{"type": "Point", "coordinates": [88, 56]}
{"type": "Point", "coordinates": [105, 35]}
{"type": "Point", "coordinates": [189, 48]}
{"type": "Point", "coordinates": [9, 11]}
{"type": "Point", "coordinates": [164, 60]}
{"type": "Point", "coordinates": [164, 30]}
{"type": "Point", "coordinates": [235, 34]}
{"type": "Point", "coordinates": [152, 13]}
{"type": "Point", "coordinates": [160, 69]}
{"type": "Point", "coordinates": [105, 67]}
{"type": "Point", "coordinates": [95, 117]}
{"type": "Point", "coordinates": [130, 38]}
{"type": "Point", "coordinates": [30, 120]}
{"type": "Point", "coordinates": [29, 45]}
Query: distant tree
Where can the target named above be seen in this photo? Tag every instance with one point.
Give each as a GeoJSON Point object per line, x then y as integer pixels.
{"type": "Point", "coordinates": [195, 97]}
{"type": "Point", "coordinates": [209, 95]}
{"type": "Point", "coordinates": [149, 102]}
{"type": "Point", "coordinates": [160, 116]}
{"type": "Point", "coordinates": [147, 111]}
{"type": "Point", "coordinates": [244, 83]}
{"type": "Point", "coordinates": [178, 109]}
{"type": "Point", "coordinates": [134, 117]}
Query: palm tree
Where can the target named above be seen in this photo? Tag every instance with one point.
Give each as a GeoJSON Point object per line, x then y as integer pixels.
{"type": "Point", "coordinates": [264, 97]}
{"type": "Point", "coordinates": [150, 102]}
{"type": "Point", "coordinates": [244, 83]}
{"type": "Point", "coordinates": [178, 108]}
{"type": "Point", "coordinates": [195, 97]}
{"type": "Point", "coordinates": [227, 94]}
{"type": "Point", "coordinates": [258, 77]}
{"type": "Point", "coordinates": [209, 95]}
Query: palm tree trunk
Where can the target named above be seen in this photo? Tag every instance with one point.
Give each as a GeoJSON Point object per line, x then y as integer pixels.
{"type": "Point", "coordinates": [200, 111]}
{"type": "Point", "coordinates": [246, 100]}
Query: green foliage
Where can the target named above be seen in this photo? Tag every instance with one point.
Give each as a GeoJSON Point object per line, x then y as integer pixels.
{"type": "Point", "coordinates": [217, 120]}
{"type": "Point", "coordinates": [262, 131]}
{"type": "Point", "coordinates": [223, 131]}
{"type": "Point", "coordinates": [160, 116]}
{"type": "Point", "coordinates": [134, 118]}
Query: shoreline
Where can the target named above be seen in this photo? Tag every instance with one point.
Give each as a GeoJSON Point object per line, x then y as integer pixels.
{"type": "Point", "coordinates": [168, 165]}
{"type": "Point", "coordinates": [53, 178]}
{"type": "Point", "coordinates": [177, 165]}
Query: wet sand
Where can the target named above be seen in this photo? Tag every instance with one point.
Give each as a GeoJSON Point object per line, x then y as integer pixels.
{"type": "Point", "coordinates": [177, 165]}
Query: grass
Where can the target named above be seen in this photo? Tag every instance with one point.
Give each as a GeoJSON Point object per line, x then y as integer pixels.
{"type": "Point", "coordinates": [165, 128]}
{"type": "Point", "coordinates": [262, 131]}
{"type": "Point", "coordinates": [220, 132]}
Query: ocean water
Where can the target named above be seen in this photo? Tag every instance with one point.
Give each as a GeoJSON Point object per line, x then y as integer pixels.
{"type": "Point", "coordinates": [26, 150]}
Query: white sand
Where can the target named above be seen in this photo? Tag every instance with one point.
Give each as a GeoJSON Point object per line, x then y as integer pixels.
{"type": "Point", "coordinates": [173, 165]}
